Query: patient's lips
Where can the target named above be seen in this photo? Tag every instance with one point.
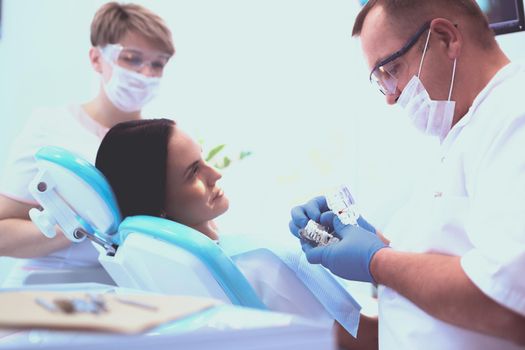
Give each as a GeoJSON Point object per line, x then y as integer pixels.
{"type": "Point", "coordinates": [217, 194]}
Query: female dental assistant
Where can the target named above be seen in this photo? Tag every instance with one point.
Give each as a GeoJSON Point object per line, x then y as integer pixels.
{"type": "Point", "coordinates": [130, 48]}
{"type": "Point", "coordinates": [452, 276]}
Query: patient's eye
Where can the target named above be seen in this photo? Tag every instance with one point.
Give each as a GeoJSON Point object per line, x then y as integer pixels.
{"type": "Point", "coordinates": [194, 170]}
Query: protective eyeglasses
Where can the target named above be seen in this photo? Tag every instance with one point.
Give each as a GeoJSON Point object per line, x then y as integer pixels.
{"type": "Point", "coordinates": [135, 59]}
{"type": "Point", "coordinates": [387, 72]}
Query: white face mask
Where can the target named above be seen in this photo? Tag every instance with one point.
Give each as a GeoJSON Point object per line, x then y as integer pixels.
{"type": "Point", "coordinates": [129, 91]}
{"type": "Point", "coordinates": [429, 116]}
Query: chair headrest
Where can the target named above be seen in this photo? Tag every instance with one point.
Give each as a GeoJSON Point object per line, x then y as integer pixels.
{"type": "Point", "coordinates": [83, 187]}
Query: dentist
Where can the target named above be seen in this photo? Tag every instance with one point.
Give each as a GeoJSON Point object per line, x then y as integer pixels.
{"type": "Point", "coordinates": [130, 48]}
{"type": "Point", "coordinates": [451, 276]}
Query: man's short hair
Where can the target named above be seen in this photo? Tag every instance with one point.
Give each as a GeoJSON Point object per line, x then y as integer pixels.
{"type": "Point", "coordinates": [113, 21]}
{"type": "Point", "coordinates": [411, 14]}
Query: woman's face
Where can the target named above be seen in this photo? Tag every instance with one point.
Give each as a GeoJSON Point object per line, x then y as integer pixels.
{"type": "Point", "coordinates": [193, 196]}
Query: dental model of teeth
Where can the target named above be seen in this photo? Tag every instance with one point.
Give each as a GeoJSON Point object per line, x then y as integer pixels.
{"type": "Point", "coordinates": [317, 234]}
{"type": "Point", "coordinates": [340, 203]}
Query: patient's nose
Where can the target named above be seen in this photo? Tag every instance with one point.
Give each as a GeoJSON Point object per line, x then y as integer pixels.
{"type": "Point", "coordinates": [213, 175]}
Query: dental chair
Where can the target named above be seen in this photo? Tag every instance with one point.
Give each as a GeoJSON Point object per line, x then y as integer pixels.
{"type": "Point", "coordinates": [141, 252]}
{"type": "Point", "coordinates": [160, 255]}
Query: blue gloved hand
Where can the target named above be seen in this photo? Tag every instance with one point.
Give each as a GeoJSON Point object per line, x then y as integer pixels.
{"type": "Point", "coordinates": [313, 211]}
{"type": "Point", "coordinates": [350, 258]}
{"type": "Point", "coordinates": [309, 211]}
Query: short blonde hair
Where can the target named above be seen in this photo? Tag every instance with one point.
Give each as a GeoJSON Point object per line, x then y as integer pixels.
{"type": "Point", "coordinates": [113, 20]}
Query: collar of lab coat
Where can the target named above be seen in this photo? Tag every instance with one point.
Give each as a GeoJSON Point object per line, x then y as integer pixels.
{"type": "Point", "coordinates": [502, 75]}
{"type": "Point", "coordinates": [89, 123]}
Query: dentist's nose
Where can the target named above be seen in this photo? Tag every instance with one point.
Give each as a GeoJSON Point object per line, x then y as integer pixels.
{"type": "Point", "coordinates": [391, 99]}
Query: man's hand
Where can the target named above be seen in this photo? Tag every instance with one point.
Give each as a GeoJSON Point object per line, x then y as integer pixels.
{"type": "Point", "coordinates": [313, 211]}
{"type": "Point", "coordinates": [350, 258]}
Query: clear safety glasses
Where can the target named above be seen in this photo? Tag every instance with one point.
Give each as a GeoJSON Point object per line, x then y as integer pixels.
{"type": "Point", "coordinates": [387, 72]}
{"type": "Point", "coordinates": [135, 59]}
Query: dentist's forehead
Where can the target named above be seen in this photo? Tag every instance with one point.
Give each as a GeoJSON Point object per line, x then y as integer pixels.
{"type": "Point", "coordinates": [379, 36]}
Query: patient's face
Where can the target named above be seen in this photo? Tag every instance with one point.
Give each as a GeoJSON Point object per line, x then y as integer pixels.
{"type": "Point", "coordinates": [193, 196]}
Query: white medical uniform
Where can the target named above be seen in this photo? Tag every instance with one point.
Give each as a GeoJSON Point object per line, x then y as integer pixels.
{"type": "Point", "coordinates": [472, 205]}
{"type": "Point", "coordinates": [68, 127]}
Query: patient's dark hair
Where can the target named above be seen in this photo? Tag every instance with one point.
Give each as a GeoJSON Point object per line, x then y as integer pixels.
{"type": "Point", "coordinates": [133, 157]}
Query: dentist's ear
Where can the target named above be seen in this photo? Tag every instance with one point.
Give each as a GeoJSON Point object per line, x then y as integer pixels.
{"type": "Point", "coordinates": [449, 36]}
{"type": "Point", "coordinates": [95, 58]}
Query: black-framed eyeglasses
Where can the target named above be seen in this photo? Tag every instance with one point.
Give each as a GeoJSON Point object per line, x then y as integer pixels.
{"type": "Point", "coordinates": [386, 72]}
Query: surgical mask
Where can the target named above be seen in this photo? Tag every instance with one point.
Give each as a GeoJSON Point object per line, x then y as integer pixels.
{"type": "Point", "coordinates": [129, 91]}
{"type": "Point", "coordinates": [429, 116]}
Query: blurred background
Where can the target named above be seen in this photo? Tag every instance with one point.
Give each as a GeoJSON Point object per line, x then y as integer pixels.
{"type": "Point", "coordinates": [283, 80]}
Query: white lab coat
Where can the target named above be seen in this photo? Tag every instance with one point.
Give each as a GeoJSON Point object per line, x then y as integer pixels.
{"type": "Point", "coordinates": [472, 205]}
{"type": "Point", "coordinates": [69, 127]}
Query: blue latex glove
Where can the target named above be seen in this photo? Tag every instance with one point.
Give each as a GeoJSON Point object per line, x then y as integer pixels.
{"type": "Point", "coordinates": [313, 210]}
{"type": "Point", "coordinates": [350, 258]}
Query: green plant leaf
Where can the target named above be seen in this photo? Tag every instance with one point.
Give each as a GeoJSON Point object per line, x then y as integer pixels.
{"type": "Point", "coordinates": [245, 154]}
{"type": "Point", "coordinates": [214, 152]}
{"type": "Point", "coordinates": [223, 164]}
{"type": "Point", "coordinates": [226, 162]}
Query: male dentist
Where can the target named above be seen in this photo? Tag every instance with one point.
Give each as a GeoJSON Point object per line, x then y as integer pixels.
{"type": "Point", "coordinates": [451, 276]}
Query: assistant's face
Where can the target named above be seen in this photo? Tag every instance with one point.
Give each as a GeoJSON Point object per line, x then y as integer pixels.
{"type": "Point", "coordinates": [193, 196]}
{"type": "Point", "coordinates": [137, 49]}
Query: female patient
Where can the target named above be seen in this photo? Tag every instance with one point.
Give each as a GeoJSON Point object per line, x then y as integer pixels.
{"type": "Point", "coordinates": [156, 169]}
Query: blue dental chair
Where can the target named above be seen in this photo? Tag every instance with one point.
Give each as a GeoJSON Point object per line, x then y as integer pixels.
{"type": "Point", "coordinates": [159, 255]}
{"type": "Point", "coordinates": [140, 252]}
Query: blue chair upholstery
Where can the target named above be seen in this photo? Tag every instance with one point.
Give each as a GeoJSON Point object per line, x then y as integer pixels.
{"type": "Point", "coordinates": [96, 192]}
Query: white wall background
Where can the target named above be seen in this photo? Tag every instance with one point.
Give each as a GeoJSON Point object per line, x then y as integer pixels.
{"type": "Point", "coordinates": [282, 79]}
